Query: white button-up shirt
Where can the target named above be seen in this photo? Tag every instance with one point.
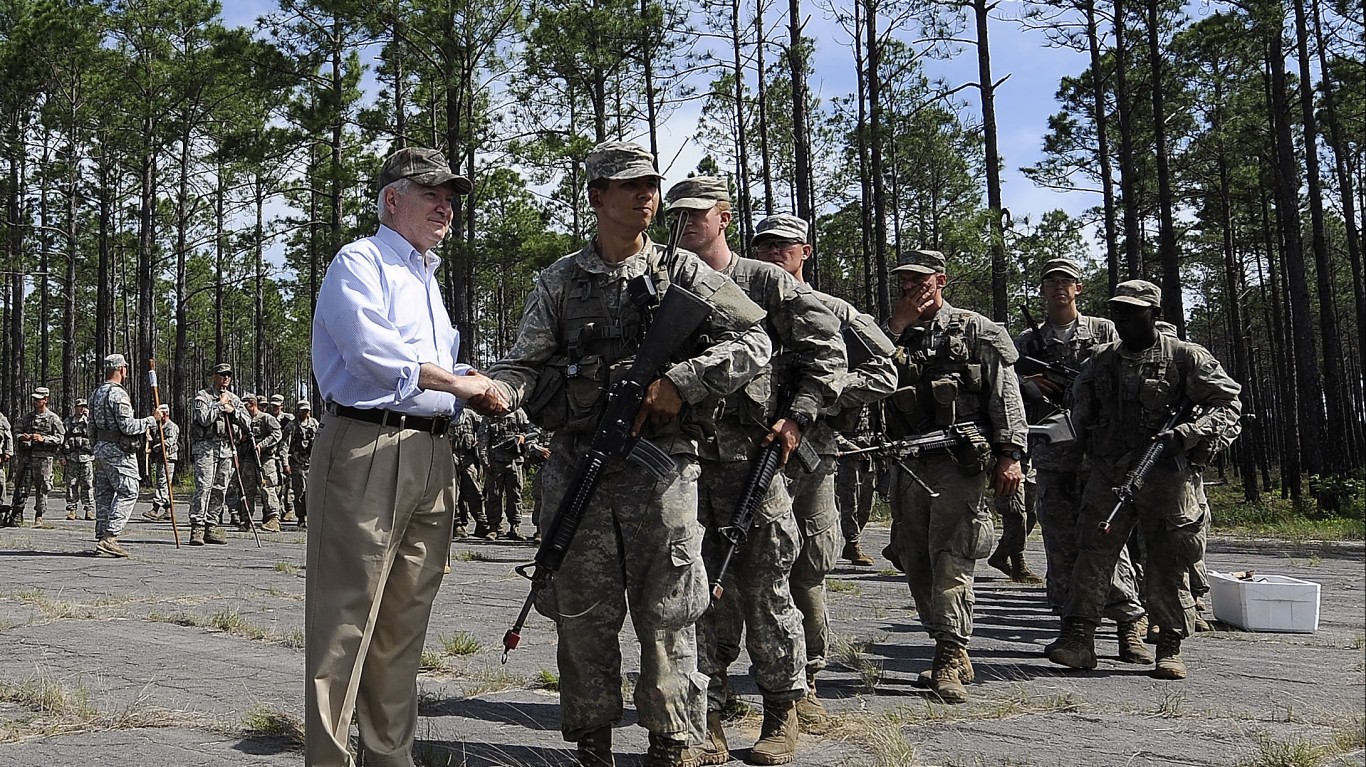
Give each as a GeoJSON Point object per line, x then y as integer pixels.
{"type": "Point", "coordinates": [379, 317]}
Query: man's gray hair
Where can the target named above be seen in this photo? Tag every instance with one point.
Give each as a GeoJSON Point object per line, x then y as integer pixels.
{"type": "Point", "coordinates": [402, 186]}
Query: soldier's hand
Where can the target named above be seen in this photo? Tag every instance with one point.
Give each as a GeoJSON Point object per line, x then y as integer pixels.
{"type": "Point", "coordinates": [1047, 387]}
{"type": "Point", "coordinates": [38, 438]}
{"type": "Point", "coordinates": [789, 432]}
{"type": "Point", "coordinates": [1172, 444]}
{"type": "Point", "coordinates": [661, 405]}
{"type": "Point", "coordinates": [1006, 477]}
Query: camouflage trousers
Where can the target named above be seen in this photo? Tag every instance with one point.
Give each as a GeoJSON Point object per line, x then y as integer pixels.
{"type": "Point", "coordinates": [639, 549]}
{"type": "Point", "coordinates": [263, 483]}
{"type": "Point", "coordinates": [813, 506]}
{"type": "Point", "coordinates": [758, 602]}
{"type": "Point", "coordinates": [1169, 523]}
{"type": "Point", "coordinates": [80, 485]}
{"type": "Point", "coordinates": [939, 540]}
{"type": "Point", "coordinates": [855, 485]}
{"type": "Point", "coordinates": [211, 477]}
{"type": "Point", "coordinates": [38, 479]}
{"type": "Point", "coordinates": [503, 495]}
{"type": "Point", "coordinates": [469, 495]}
{"type": "Point", "coordinates": [163, 475]}
{"type": "Point", "coordinates": [298, 486]}
{"type": "Point", "coordinates": [1018, 515]}
{"type": "Point", "coordinates": [1057, 505]}
{"type": "Point", "coordinates": [116, 490]}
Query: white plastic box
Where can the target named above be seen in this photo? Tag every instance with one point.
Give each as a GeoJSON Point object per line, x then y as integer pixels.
{"type": "Point", "coordinates": [1266, 603]}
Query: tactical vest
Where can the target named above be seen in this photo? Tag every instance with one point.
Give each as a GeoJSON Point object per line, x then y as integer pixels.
{"type": "Point", "coordinates": [104, 413]}
{"type": "Point", "coordinates": [78, 437]}
{"type": "Point", "coordinates": [940, 378]}
{"type": "Point", "coordinates": [301, 442]}
{"type": "Point", "coordinates": [1133, 403]}
{"type": "Point", "coordinates": [217, 431]}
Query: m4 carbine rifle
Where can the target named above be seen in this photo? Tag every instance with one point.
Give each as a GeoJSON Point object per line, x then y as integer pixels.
{"type": "Point", "coordinates": [1138, 474]}
{"type": "Point", "coordinates": [949, 440]}
{"type": "Point", "coordinates": [680, 314]}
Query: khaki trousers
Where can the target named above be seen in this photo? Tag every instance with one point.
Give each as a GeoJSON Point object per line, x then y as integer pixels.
{"type": "Point", "coordinates": [377, 544]}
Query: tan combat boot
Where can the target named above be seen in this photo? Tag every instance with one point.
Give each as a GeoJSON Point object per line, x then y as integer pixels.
{"type": "Point", "coordinates": [778, 736]}
{"type": "Point", "coordinates": [1131, 647]}
{"type": "Point", "coordinates": [1169, 663]}
{"type": "Point", "coordinates": [196, 535]}
{"type": "Point", "coordinates": [950, 673]}
{"type": "Point", "coordinates": [854, 553]}
{"type": "Point", "coordinates": [1020, 572]}
{"type": "Point", "coordinates": [966, 675]}
{"type": "Point", "coordinates": [1077, 645]}
{"type": "Point", "coordinates": [214, 534]}
{"type": "Point", "coordinates": [595, 749]}
{"type": "Point", "coordinates": [714, 749]}
{"type": "Point", "coordinates": [810, 710]}
{"type": "Point", "coordinates": [271, 525]}
{"type": "Point", "coordinates": [71, 514]}
{"type": "Point", "coordinates": [109, 547]}
{"type": "Point", "coordinates": [667, 752]}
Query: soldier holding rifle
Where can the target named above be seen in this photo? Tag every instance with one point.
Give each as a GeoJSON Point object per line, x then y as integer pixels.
{"type": "Point", "coordinates": [953, 372]}
{"type": "Point", "coordinates": [1129, 398]}
{"type": "Point", "coordinates": [118, 438]}
{"type": "Point", "coordinates": [216, 410]}
{"type": "Point", "coordinates": [639, 547]}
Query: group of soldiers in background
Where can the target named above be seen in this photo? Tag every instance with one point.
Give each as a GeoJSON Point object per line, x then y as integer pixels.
{"type": "Point", "coordinates": [492, 456]}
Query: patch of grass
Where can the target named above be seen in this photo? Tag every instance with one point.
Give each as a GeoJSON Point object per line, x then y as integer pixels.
{"type": "Point", "coordinates": [473, 556]}
{"type": "Point", "coordinates": [49, 708]}
{"type": "Point", "coordinates": [294, 639]}
{"type": "Point", "coordinates": [460, 643]}
{"type": "Point", "coordinates": [851, 654]}
{"type": "Point", "coordinates": [41, 601]}
{"type": "Point", "coordinates": [1292, 752]}
{"type": "Point", "coordinates": [234, 623]}
{"type": "Point", "coordinates": [882, 733]}
{"type": "Point", "coordinates": [264, 722]}
{"type": "Point", "coordinates": [431, 660]}
{"type": "Point", "coordinates": [1349, 736]}
{"type": "Point", "coordinates": [288, 568]}
{"type": "Point", "coordinates": [1357, 642]}
{"type": "Point", "coordinates": [548, 680]}
{"type": "Point", "coordinates": [842, 586]}
{"type": "Point", "coordinates": [890, 572]}
{"type": "Point", "coordinates": [1021, 702]}
{"type": "Point", "coordinates": [495, 680]}
{"type": "Point", "coordinates": [1170, 702]}
{"type": "Point", "coordinates": [1276, 517]}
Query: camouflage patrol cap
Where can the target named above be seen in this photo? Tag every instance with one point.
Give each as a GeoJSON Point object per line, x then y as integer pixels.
{"type": "Point", "coordinates": [114, 362]}
{"type": "Point", "coordinates": [781, 226]}
{"type": "Point", "coordinates": [1064, 266]}
{"type": "Point", "coordinates": [252, 398]}
{"type": "Point", "coordinates": [618, 161]}
{"type": "Point", "coordinates": [1137, 293]}
{"type": "Point", "coordinates": [303, 404]}
{"type": "Point", "coordinates": [82, 403]}
{"type": "Point", "coordinates": [697, 193]}
{"type": "Point", "coordinates": [41, 393]}
{"type": "Point", "coordinates": [222, 369]}
{"type": "Point", "coordinates": [919, 261]}
{"type": "Point", "coordinates": [164, 408]}
{"type": "Point", "coordinates": [277, 399]}
{"type": "Point", "coordinates": [427, 167]}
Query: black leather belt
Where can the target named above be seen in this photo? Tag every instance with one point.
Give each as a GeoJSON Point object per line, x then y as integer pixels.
{"type": "Point", "coordinates": [432, 425]}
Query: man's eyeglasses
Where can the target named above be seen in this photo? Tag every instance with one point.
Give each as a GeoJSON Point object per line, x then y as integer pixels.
{"type": "Point", "coordinates": [775, 245]}
{"type": "Point", "coordinates": [1059, 282]}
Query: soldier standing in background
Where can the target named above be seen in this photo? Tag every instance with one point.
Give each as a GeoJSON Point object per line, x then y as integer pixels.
{"type": "Point", "coordinates": [118, 438]}
{"type": "Point", "coordinates": [1122, 402]}
{"type": "Point", "coordinates": [855, 486]}
{"type": "Point", "coordinates": [302, 433]}
{"type": "Point", "coordinates": [216, 409]}
{"type": "Point", "coordinates": [6, 451]}
{"type": "Point", "coordinates": [260, 476]}
{"type": "Point", "coordinates": [466, 493]}
{"type": "Point", "coordinates": [163, 463]}
{"type": "Point", "coordinates": [759, 605]}
{"type": "Point", "coordinates": [40, 435]}
{"type": "Point", "coordinates": [77, 457]}
{"type": "Point", "coordinates": [287, 424]}
{"type": "Point", "coordinates": [782, 241]}
{"type": "Point", "coordinates": [955, 371]}
{"type": "Point", "coordinates": [503, 445]}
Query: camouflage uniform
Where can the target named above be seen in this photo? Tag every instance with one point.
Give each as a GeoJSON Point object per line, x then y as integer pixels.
{"type": "Point", "coordinates": [258, 479]}
{"type": "Point", "coordinates": [813, 494]}
{"type": "Point", "coordinates": [1056, 476]}
{"type": "Point", "coordinates": [301, 437]}
{"type": "Point", "coordinates": [759, 601]}
{"type": "Point", "coordinates": [6, 450]}
{"type": "Point", "coordinates": [33, 461]}
{"type": "Point", "coordinates": [163, 464]}
{"type": "Point", "coordinates": [212, 455]}
{"type": "Point", "coordinates": [1121, 399]}
{"type": "Point", "coordinates": [855, 482]}
{"type": "Point", "coordinates": [287, 424]}
{"type": "Point", "coordinates": [954, 368]}
{"type": "Point", "coordinates": [465, 495]}
{"type": "Point", "coordinates": [119, 436]}
{"type": "Point", "coordinates": [640, 547]}
{"type": "Point", "coordinates": [78, 456]}
{"type": "Point", "coordinates": [502, 443]}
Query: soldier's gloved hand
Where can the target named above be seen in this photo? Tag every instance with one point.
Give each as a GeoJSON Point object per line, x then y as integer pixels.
{"type": "Point", "coordinates": [661, 405]}
{"type": "Point", "coordinates": [1172, 443]}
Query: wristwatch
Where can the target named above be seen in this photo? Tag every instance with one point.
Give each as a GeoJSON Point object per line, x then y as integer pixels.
{"type": "Point", "coordinates": [1013, 453]}
{"type": "Point", "coordinates": [802, 420]}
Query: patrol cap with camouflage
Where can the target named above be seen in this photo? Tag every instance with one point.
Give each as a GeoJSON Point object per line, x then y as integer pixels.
{"type": "Point", "coordinates": [222, 369]}
{"type": "Point", "coordinates": [164, 408]}
{"type": "Point", "coordinates": [115, 361]}
{"type": "Point", "coordinates": [303, 404]}
{"type": "Point", "coordinates": [919, 262]}
{"type": "Point", "coordinates": [41, 393]}
{"type": "Point", "coordinates": [277, 399]}
{"type": "Point", "coordinates": [618, 161]}
{"type": "Point", "coordinates": [1063, 266]}
{"type": "Point", "coordinates": [82, 403]}
{"type": "Point", "coordinates": [780, 226]}
{"type": "Point", "coordinates": [427, 167]}
{"type": "Point", "coordinates": [1137, 293]}
{"type": "Point", "coordinates": [697, 193]}
{"type": "Point", "coordinates": [252, 398]}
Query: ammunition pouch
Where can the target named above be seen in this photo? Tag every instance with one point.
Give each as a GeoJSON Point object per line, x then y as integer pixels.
{"type": "Point", "coordinates": [973, 456]}
{"type": "Point", "coordinates": [547, 405]}
{"type": "Point", "coordinates": [945, 394]}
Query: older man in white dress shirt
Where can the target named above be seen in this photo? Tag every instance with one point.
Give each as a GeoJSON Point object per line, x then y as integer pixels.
{"type": "Point", "coordinates": [384, 353]}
